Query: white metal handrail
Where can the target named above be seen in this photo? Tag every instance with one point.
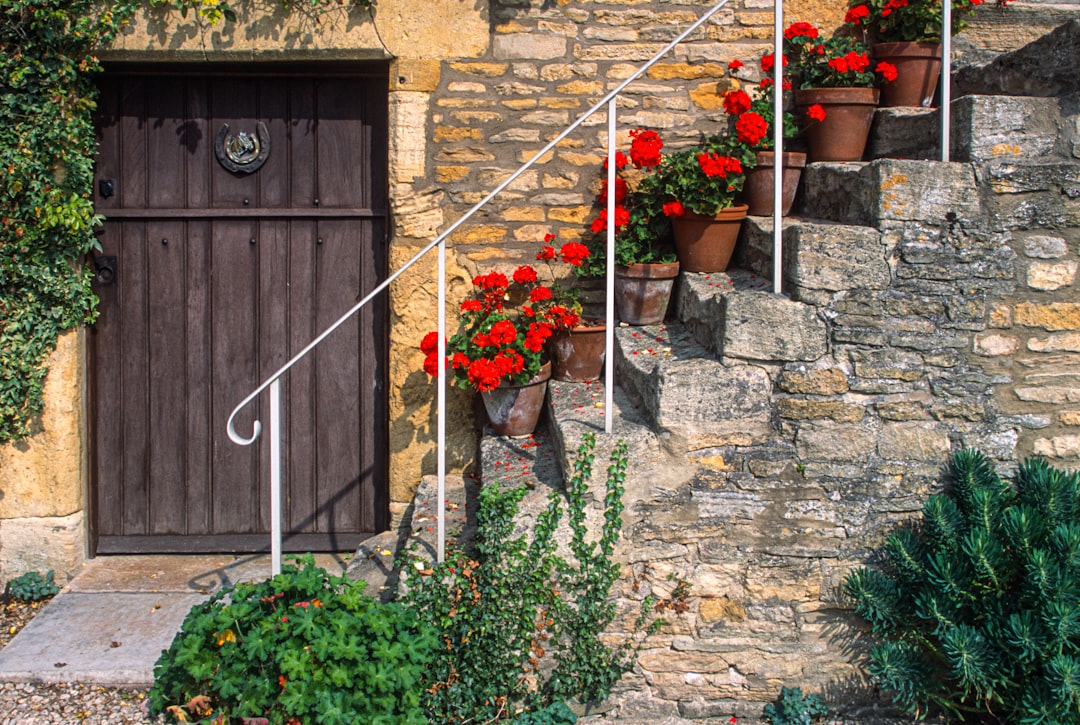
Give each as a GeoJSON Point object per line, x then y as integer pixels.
{"type": "Point", "coordinates": [272, 383]}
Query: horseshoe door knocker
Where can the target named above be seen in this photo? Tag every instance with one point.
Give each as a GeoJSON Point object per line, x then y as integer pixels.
{"type": "Point", "coordinates": [243, 153]}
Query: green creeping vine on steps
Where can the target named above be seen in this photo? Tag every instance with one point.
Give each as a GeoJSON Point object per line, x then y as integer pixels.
{"type": "Point", "coordinates": [47, 151]}
{"type": "Point", "coordinates": [977, 607]}
{"type": "Point", "coordinates": [521, 627]}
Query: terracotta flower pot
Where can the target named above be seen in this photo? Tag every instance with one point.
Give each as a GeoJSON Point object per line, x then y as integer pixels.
{"type": "Point", "coordinates": [705, 243]}
{"type": "Point", "coordinates": [577, 354]}
{"type": "Point", "coordinates": [642, 291]}
{"type": "Point", "coordinates": [918, 67]}
{"type": "Point", "coordinates": [842, 135]}
{"type": "Point", "coordinates": [758, 190]}
{"type": "Point", "coordinates": [514, 410]}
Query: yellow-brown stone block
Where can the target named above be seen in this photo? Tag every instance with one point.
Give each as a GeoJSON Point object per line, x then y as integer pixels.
{"type": "Point", "coordinates": [455, 133]}
{"type": "Point", "coordinates": [476, 116]}
{"type": "Point", "coordinates": [447, 174]}
{"type": "Point", "coordinates": [559, 103]}
{"type": "Point", "coordinates": [721, 609]}
{"type": "Point", "coordinates": [1000, 317]}
{"type": "Point", "coordinates": [1069, 417]}
{"type": "Point", "coordinates": [531, 232]}
{"type": "Point", "coordinates": [483, 70]}
{"type": "Point", "coordinates": [581, 159]}
{"type": "Point", "coordinates": [482, 234]}
{"type": "Point", "coordinates": [570, 215]}
{"type": "Point", "coordinates": [524, 214]}
{"type": "Point", "coordinates": [831, 381]}
{"type": "Point", "coordinates": [521, 104]}
{"type": "Point", "coordinates": [686, 71]}
{"type": "Point", "coordinates": [1053, 316]}
{"type": "Point", "coordinates": [710, 96]}
{"type": "Point", "coordinates": [800, 409]}
{"type": "Point", "coordinates": [464, 154]}
{"type": "Point", "coordinates": [414, 74]}
{"type": "Point", "coordinates": [582, 88]}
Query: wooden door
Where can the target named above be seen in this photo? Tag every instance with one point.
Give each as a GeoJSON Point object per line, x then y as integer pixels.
{"type": "Point", "coordinates": [215, 271]}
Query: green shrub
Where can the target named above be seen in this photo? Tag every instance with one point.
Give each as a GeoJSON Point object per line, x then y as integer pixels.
{"type": "Point", "coordinates": [978, 605]}
{"type": "Point", "coordinates": [555, 714]}
{"type": "Point", "coordinates": [31, 587]}
{"type": "Point", "coordinates": [303, 647]}
{"type": "Point", "coordinates": [791, 707]}
{"type": "Point", "coordinates": [521, 627]}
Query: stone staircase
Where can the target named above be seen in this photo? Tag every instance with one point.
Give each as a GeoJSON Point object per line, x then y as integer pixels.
{"type": "Point", "coordinates": [773, 438]}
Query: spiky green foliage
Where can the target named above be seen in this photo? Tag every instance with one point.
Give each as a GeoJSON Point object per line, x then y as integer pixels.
{"type": "Point", "coordinates": [977, 607]}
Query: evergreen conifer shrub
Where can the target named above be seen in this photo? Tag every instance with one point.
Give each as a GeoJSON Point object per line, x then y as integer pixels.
{"type": "Point", "coordinates": [977, 606]}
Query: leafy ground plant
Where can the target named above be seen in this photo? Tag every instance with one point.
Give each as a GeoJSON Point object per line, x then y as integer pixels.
{"type": "Point", "coordinates": [301, 647]}
{"type": "Point", "coordinates": [520, 626]}
{"type": "Point", "coordinates": [977, 607]}
{"type": "Point", "coordinates": [791, 707]}
{"type": "Point", "coordinates": [31, 587]}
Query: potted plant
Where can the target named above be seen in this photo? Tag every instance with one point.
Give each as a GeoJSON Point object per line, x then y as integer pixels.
{"type": "Point", "coordinates": [499, 348]}
{"type": "Point", "coordinates": [835, 90]}
{"type": "Point", "coordinates": [907, 34]}
{"type": "Point", "coordinates": [744, 111]}
{"type": "Point", "coordinates": [645, 262]}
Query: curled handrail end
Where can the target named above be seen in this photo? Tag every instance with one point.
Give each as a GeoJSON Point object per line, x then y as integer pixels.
{"type": "Point", "coordinates": [256, 429]}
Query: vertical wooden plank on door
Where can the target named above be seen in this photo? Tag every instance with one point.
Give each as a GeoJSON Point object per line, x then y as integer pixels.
{"type": "Point", "coordinates": [237, 470]}
{"type": "Point", "coordinates": [105, 334]}
{"type": "Point", "coordinates": [340, 465]}
{"type": "Point", "coordinates": [165, 308]}
{"type": "Point", "coordinates": [132, 270]}
{"type": "Point", "coordinates": [302, 329]}
{"type": "Point", "coordinates": [198, 142]}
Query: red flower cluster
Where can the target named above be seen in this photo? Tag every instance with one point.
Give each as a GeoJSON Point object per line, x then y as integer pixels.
{"type": "Point", "coordinates": [857, 15]}
{"type": "Point", "coordinates": [503, 340]}
{"type": "Point", "coordinates": [674, 208]}
{"type": "Point", "coordinates": [751, 128]}
{"type": "Point", "coordinates": [716, 165]}
{"type": "Point", "coordinates": [851, 62]}
{"type": "Point", "coordinates": [816, 112]}
{"type": "Point", "coordinates": [736, 102]}
{"type": "Point", "coordinates": [796, 30]}
{"type": "Point", "coordinates": [645, 145]}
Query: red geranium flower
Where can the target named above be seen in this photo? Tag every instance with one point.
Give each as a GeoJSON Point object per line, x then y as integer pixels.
{"type": "Point", "coordinates": [816, 112]}
{"type": "Point", "coordinates": [736, 102]}
{"type": "Point", "coordinates": [887, 71]}
{"type": "Point", "coordinates": [750, 128]}
{"type": "Point", "coordinates": [524, 274]}
{"type": "Point", "coordinates": [806, 30]}
{"type": "Point", "coordinates": [645, 148]}
{"type": "Point", "coordinates": [857, 15]}
{"type": "Point", "coordinates": [674, 208]}
{"type": "Point", "coordinates": [574, 253]}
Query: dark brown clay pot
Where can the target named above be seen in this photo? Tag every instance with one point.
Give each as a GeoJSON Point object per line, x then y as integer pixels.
{"type": "Point", "coordinates": [642, 291]}
{"type": "Point", "coordinates": [918, 67]}
{"type": "Point", "coordinates": [577, 354]}
{"type": "Point", "coordinates": [758, 190]}
{"type": "Point", "coordinates": [705, 243]}
{"type": "Point", "coordinates": [848, 115]}
{"type": "Point", "coordinates": [514, 410]}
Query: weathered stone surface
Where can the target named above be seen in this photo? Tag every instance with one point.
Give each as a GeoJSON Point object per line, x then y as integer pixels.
{"type": "Point", "coordinates": [532, 46]}
{"type": "Point", "coordinates": [992, 127]}
{"type": "Point", "coordinates": [831, 442]}
{"type": "Point", "coordinates": [1041, 68]}
{"type": "Point", "coordinates": [1040, 246]}
{"type": "Point", "coordinates": [1033, 193]}
{"type": "Point", "coordinates": [995, 344]}
{"type": "Point", "coordinates": [1051, 276]}
{"type": "Point", "coordinates": [1058, 446]}
{"type": "Point", "coordinates": [890, 190]}
{"type": "Point", "coordinates": [44, 543]}
{"type": "Point", "coordinates": [803, 409]}
{"type": "Point", "coordinates": [1052, 317]}
{"type": "Point", "coordinates": [825, 381]}
{"type": "Point", "coordinates": [689, 395]}
{"type": "Point", "coordinates": [913, 441]}
{"type": "Point", "coordinates": [44, 475]}
{"type": "Point", "coordinates": [906, 133]}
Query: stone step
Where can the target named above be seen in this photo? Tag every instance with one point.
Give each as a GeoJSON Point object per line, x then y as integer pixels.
{"type": "Point", "coordinates": [1031, 194]}
{"type": "Point", "coordinates": [877, 193]}
{"type": "Point", "coordinates": [982, 128]}
{"type": "Point", "coordinates": [736, 316]}
{"type": "Point", "coordinates": [689, 397]}
{"type": "Point", "coordinates": [1046, 66]}
{"type": "Point", "coordinates": [819, 258]}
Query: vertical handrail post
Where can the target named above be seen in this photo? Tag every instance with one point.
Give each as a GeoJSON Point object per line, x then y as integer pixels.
{"type": "Point", "coordinates": [946, 77]}
{"type": "Point", "coordinates": [609, 327]}
{"type": "Point", "coordinates": [778, 143]}
{"type": "Point", "coordinates": [443, 372]}
{"type": "Point", "coordinates": [275, 477]}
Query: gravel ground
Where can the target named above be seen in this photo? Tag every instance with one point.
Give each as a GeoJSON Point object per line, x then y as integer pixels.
{"type": "Point", "coordinates": [26, 704]}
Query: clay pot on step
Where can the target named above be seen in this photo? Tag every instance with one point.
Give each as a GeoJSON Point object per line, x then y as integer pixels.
{"type": "Point", "coordinates": [842, 134]}
{"type": "Point", "coordinates": [918, 68]}
{"type": "Point", "coordinates": [758, 189]}
{"type": "Point", "coordinates": [577, 354]}
{"type": "Point", "coordinates": [705, 243]}
{"type": "Point", "coordinates": [643, 290]}
{"type": "Point", "coordinates": [514, 410]}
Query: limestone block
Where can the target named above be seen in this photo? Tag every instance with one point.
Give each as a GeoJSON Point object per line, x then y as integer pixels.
{"type": "Point", "coordinates": [408, 131]}
{"type": "Point", "coordinates": [804, 409]}
{"type": "Point", "coordinates": [1042, 67]}
{"type": "Point", "coordinates": [835, 442]}
{"type": "Point", "coordinates": [995, 344]}
{"type": "Point", "coordinates": [532, 46]}
{"type": "Point", "coordinates": [990, 127]}
{"type": "Point", "coordinates": [1052, 276]}
{"type": "Point", "coordinates": [913, 441]}
{"type": "Point", "coordinates": [1040, 246]}
{"type": "Point", "coordinates": [44, 475]}
{"type": "Point", "coordinates": [827, 381]}
{"type": "Point", "coordinates": [1032, 193]}
{"type": "Point", "coordinates": [56, 543]}
{"type": "Point", "coordinates": [1058, 447]}
{"type": "Point", "coordinates": [1051, 317]}
{"type": "Point", "coordinates": [687, 394]}
{"type": "Point", "coordinates": [867, 194]}
{"type": "Point", "coordinates": [1062, 342]}
{"type": "Point", "coordinates": [414, 74]}
{"type": "Point", "coordinates": [906, 133]}
{"type": "Point", "coordinates": [1069, 417]}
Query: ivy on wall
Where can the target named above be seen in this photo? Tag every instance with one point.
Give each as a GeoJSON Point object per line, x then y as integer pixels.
{"type": "Point", "coordinates": [46, 158]}
{"type": "Point", "coordinates": [47, 148]}
{"type": "Point", "coordinates": [213, 11]}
